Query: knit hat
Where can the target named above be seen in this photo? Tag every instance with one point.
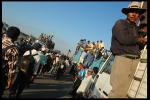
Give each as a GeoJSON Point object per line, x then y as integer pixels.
{"type": "Point", "coordinates": [13, 32]}
{"type": "Point", "coordinates": [134, 6]}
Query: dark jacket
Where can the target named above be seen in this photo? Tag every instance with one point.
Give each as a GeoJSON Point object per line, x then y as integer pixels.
{"type": "Point", "coordinates": [124, 38]}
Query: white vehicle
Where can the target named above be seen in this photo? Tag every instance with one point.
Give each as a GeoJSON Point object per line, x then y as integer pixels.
{"type": "Point", "coordinates": [100, 86]}
{"type": "Point", "coordinates": [101, 83]}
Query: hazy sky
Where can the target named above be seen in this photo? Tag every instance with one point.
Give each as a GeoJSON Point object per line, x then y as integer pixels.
{"type": "Point", "coordinates": [69, 21]}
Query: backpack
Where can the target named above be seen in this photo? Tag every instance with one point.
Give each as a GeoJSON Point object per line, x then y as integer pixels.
{"type": "Point", "coordinates": [26, 64]}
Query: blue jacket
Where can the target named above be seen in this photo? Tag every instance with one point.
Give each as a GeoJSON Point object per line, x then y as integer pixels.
{"type": "Point", "coordinates": [81, 74]}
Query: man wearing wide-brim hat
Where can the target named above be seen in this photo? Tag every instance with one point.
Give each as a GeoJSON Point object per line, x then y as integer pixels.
{"type": "Point", "coordinates": [134, 6]}
{"type": "Point", "coordinates": [125, 48]}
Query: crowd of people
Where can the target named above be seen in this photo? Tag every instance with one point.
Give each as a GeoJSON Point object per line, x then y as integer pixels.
{"type": "Point", "coordinates": [47, 39]}
{"type": "Point", "coordinates": [24, 60]}
{"type": "Point", "coordinates": [87, 60]}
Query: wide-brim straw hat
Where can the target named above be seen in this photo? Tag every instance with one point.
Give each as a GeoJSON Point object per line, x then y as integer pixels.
{"type": "Point", "coordinates": [134, 6]}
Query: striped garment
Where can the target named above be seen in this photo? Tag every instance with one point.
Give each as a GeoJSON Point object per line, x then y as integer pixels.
{"type": "Point", "coordinates": [11, 55]}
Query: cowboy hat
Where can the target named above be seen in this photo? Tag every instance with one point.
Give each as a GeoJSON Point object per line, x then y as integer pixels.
{"type": "Point", "coordinates": [134, 6]}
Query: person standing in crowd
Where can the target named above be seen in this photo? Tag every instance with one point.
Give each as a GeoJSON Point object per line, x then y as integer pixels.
{"type": "Point", "coordinates": [142, 33]}
{"type": "Point", "coordinates": [82, 56]}
{"type": "Point", "coordinates": [68, 53]}
{"type": "Point", "coordinates": [101, 44]}
{"type": "Point", "coordinates": [80, 76]}
{"type": "Point", "coordinates": [98, 48]}
{"type": "Point", "coordinates": [88, 59]}
{"type": "Point", "coordinates": [78, 47]}
{"type": "Point", "coordinates": [125, 48]}
{"type": "Point", "coordinates": [84, 43]}
{"type": "Point", "coordinates": [23, 78]}
{"type": "Point", "coordinates": [43, 60]}
{"type": "Point", "coordinates": [9, 57]}
{"type": "Point", "coordinates": [36, 47]}
{"type": "Point", "coordinates": [98, 61]}
{"type": "Point", "coordinates": [76, 56]}
{"type": "Point", "coordinates": [89, 46]}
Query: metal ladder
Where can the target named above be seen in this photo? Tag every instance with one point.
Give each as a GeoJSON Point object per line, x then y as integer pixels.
{"type": "Point", "coordinates": [138, 86]}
